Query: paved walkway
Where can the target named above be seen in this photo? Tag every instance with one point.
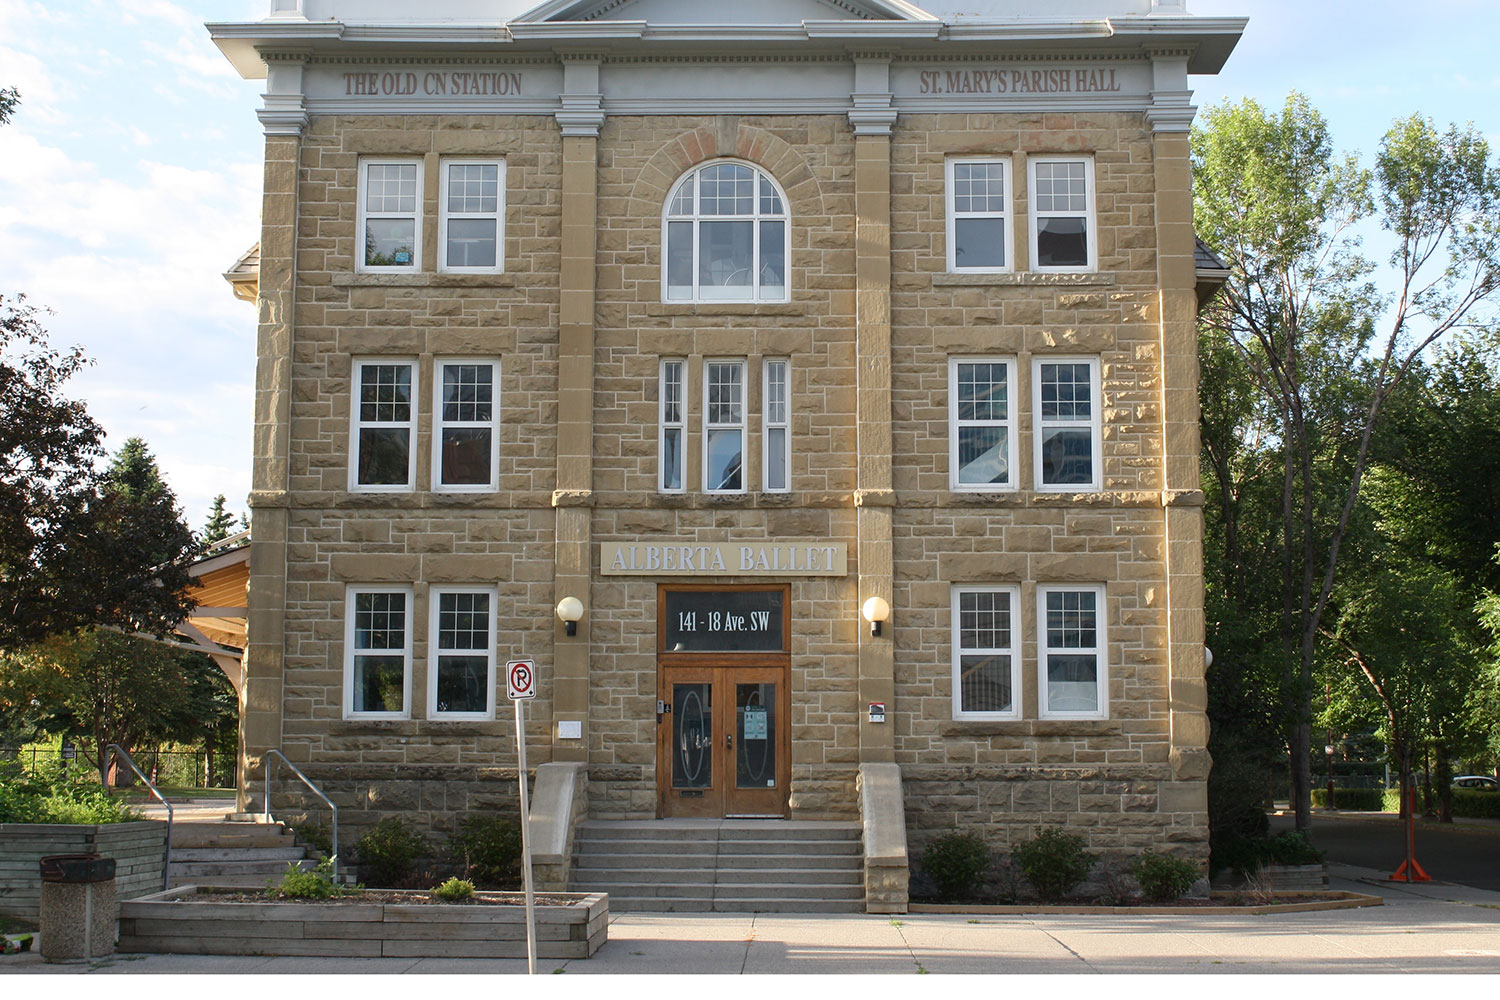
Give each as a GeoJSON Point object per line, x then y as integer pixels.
{"type": "Point", "coordinates": [1425, 929]}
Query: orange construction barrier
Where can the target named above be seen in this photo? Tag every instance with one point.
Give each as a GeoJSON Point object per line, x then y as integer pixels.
{"type": "Point", "coordinates": [1411, 870]}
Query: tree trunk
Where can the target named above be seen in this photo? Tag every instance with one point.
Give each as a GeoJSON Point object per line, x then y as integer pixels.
{"type": "Point", "coordinates": [1445, 784]}
{"type": "Point", "coordinates": [1301, 794]}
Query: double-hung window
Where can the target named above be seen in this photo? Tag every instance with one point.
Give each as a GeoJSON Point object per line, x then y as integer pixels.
{"type": "Point", "coordinates": [471, 227]}
{"type": "Point", "coordinates": [1067, 424]}
{"type": "Point", "coordinates": [377, 657]}
{"type": "Point", "coordinates": [1073, 678]}
{"type": "Point", "coordinates": [981, 424]}
{"type": "Point", "coordinates": [1063, 230]}
{"type": "Point", "coordinates": [979, 232]}
{"type": "Point", "coordinates": [466, 456]}
{"type": "Point", "coordinates": [723, 426]}
{"type": "Point", "coordinates": [382, 426]}
{"type": "Point", "coordinates": [461, 643]}
{"type": "Point", "coordinates": [672, 392]}
{"type": "Point", "coordinates": [389, 231]}
{"type": "Point", "coordinates": [986, 653]}
{"type": "Point", "coordinates": [776, 431]}
{"type": "Point", "coordinates": [726, 236]}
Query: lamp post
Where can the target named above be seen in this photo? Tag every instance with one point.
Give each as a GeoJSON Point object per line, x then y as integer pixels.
{"type": "Point", "coordinates": [1329, 751]}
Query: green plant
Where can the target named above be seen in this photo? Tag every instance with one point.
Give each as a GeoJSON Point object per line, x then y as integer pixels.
{"type": "Point", "coordinates": [53, 795]}
{"type": "Point", "coordinates": [956, 863]}
{"type": "Point", "coordinates": [490, 848]}
{"type": "Point", "coordinates": [1290, 848]}
{"type": "Point", "coordinates": [1473, 803]}
{"type": "Point", "coordinates": [455, 890]}
{"type": "Point", "coordinates": [1163, 877]}
{"type": "Point", "coordinates": [389, 852]}
{"type": "Point", "coordinates": [300, 883]}
{"type": "Point", "coordinates": [1054, 862]}
{"type": "Point", "coordinates": [316, 836]}
{"type": "Point", "coordinates": [1358, 799]}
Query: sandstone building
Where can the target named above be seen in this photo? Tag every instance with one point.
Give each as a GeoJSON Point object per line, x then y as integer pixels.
{"type": "Point", "coordinates": [741, 325]}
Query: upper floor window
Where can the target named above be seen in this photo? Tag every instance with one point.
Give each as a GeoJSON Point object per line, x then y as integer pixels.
{"type": "Point", "coordinates": [471, 226]}
{"type": "Point", "coordinates": [979, 215]}
{"type": "Point", "coordinates": [382, 426]}
{"type": "Point", "coordinates": [986, 653]}
{"type": "Point", "coordinates": [466, 458]}
{"type": "Point", "coordinates": [673, 426]}
{"type": "Point", "coordinates": [726, 236]}
{"type": "Point", "coordinates": [776, 430]}
{"type": "Point", "coordinates": [389, 233]}
{"type": "Point", "coordinates": [981, 424]}
{"type": "Point", "coordinates": [1067, 424]}
{"type": "Point", "coordinates": [1063, 229]}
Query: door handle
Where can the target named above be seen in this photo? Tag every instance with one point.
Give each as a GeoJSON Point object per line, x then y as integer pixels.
{"type": "Point", "coordinates": [729, 741]}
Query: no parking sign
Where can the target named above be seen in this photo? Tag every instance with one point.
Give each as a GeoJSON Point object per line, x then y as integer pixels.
{"type": "Point", "coordinates": [520, 679]}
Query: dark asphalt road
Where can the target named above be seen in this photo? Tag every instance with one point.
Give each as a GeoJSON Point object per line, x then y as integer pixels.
{"type": "Point", "coordinates": [1467, 855]}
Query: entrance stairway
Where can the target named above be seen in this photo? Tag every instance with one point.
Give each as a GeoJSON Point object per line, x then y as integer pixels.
{"type": "Point", "coordinates": [233, 854]}
{"type": "Point", "coordinates": [721, 866]}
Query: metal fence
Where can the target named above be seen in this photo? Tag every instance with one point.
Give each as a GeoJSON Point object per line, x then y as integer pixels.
{"type": "Point", "coordinates": [167, 768]}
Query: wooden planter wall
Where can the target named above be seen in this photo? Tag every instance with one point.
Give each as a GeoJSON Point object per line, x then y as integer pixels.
{"type": "Point", "coordinates": [139, 850]}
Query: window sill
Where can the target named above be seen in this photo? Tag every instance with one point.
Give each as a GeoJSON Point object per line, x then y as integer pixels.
{"type": "Point", "coordinates": [1035, 727]}
{"type": "Point", "coordinates": [423, 279]}
{"type": "Point", "coordinates": [1063, 280]}
{"type": "Point", "coordinates": [726, 309]}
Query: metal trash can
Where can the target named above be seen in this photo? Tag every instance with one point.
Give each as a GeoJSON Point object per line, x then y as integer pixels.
{"type": "Point", "coordinates": [78, 909]}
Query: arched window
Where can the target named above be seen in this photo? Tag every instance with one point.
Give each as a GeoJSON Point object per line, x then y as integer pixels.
{"type": "Point", "coordinates": [726, 236]}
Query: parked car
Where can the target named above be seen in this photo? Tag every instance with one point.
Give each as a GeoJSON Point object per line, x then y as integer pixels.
{"type": "Point", "coordinates": [1482, 782]}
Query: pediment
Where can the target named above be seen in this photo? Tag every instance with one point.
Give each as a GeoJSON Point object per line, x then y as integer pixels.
{"type": "Point", "coordinates": [710, 12]}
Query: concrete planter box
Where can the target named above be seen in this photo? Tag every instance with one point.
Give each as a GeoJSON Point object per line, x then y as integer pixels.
{"type": "Point", "coordinates": [1283, 878]}
{"type": "Point", "coordinates": [189, 921]}
{"type": "Point", "coordinates": [139, 850]}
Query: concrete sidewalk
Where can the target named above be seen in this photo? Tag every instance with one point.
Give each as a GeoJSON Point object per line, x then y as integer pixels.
{"type": "Point", "coordinates": [1424, 929]}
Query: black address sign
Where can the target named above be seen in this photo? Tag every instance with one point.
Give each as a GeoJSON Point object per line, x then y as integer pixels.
{"type": "Point", "coordinates": [744, 621]}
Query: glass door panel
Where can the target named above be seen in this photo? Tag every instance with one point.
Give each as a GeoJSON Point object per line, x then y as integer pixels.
{"type": "Point", "coordinates": [755, 732]}
{"type": "Point", "coordinates": [692, 736]}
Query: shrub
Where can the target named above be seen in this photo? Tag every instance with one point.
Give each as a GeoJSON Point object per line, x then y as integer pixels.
{"type": "Point", "coordinates": [1474, 803]}
{"type": "Point", "coordinates": [298, 883]}
{"type": "Point", "coordinates": [316, 836]}
{"type": "Point", "coordinates": [1359, 799]}
{"type": "Point", "coordinates": [455, 890]}
{"type": "Point", "coordinates": [1291, 848]}
{"type": "Point", "coordinates": [1054, 862]}
{"type": "Point", "coordinates": [389, 852]}
{"type": "Point", "coordinates": [957, 863]}
{"type": "Point", "coordinates": [53, 795]}
{"type": "Point", "coordinates": [1164, 878]}
{"type": "Point", "coordinates": [490, 848]}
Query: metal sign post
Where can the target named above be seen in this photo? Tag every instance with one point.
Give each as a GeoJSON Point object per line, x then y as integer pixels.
{"type": "Point", "coordinates": [520, 679]}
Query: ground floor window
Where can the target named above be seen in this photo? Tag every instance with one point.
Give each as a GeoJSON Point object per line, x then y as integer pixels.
{"type": "Point", "coordinates": [1072, 676]}
{"type": "Point", "coordinates": [377, 661]}
{"type": "Point", "coordinates": [461, 673]}
{"type": "Point", "coordinates": [986, 660]}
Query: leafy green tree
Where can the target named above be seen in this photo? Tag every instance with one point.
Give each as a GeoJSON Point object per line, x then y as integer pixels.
{"type": "Point", "coordinates": [220, 523]}
{"type": "Point", "coordinates": [9, 99]}
{"type": "Point", "coordinates": [1299, 316]}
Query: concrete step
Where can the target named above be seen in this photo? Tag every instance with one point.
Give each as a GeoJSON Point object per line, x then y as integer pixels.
{"type": "Point", "coordinates": [661, 905]}
{"type": "Point", "coordinates": [788, 893]}
{"type": "Point", "coordinates": [708, 862]}
{"type": "Point", "coordinates": [718, 876]}
{"type": "Point", "coordinates": [696, 848]}
{"type": "Point", "coordinates": [222, 834]}
{"type": "Point", "coordinates": [288, 853]}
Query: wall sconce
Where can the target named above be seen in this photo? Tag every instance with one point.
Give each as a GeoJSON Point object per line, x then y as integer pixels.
{"type": "Point", "coordinates": [876, 610]}
{"type": "Point", "coordinates": [569, 610]}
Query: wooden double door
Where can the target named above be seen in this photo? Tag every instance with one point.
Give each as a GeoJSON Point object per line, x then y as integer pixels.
{"type": "Point", "coordinates": [722, 743]}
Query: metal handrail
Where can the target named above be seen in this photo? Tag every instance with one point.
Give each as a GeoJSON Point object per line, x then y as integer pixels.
{"type": "Point", "coordinates": [312, 788]}
{"type": "Point", "coordinates": [109, 752]}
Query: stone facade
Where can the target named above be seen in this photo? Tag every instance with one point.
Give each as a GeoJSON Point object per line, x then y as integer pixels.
{"type": "Point", "coordinates": [579, 324]}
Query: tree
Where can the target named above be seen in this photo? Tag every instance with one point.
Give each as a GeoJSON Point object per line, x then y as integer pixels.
{"type": "Point", "coordinates": [9, 99]}
{"type": "Point", "coordinates": [220, 524]}
{"type": "Point", "coordinates": [1299, 314]}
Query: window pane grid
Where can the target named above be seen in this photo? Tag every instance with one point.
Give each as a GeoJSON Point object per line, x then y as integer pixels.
{"type": "Point", "coordinates": [468, 393]}
{"type": "Point", "coordinates": [376, 660]}
{"type": "Point", "coordinates": [389, 215]}
{"type": "Point", "coordinates": [391, 188]}
{"type": "Point", "coordinates": [464, 622]}
{"type": "Point", "coordinates": [473, 188]}
{"type": "Point", "coordinates": [777, 438]}
{"type": "Point", "coordinates": [723, 426]}
{"type": "Point", "coordinates": [985, 656]}
{"type": "Point", "coordinates": [466, 427]}
{"type": "Point", "coordinates": [981, 434]}
{"type": "Point", "coordinates": [385, 393]}
{"type": "Point", "coordinates": [473, 200]}
{"type": "Point", "coordinates": [725, 237]}
{"type": "Point", "coordinates": [978, 200]}
{"type": "Point", "coordinates": [725, 394]}
{"type": "Point", "coordinates": [1067, 392]}
{"type": "Point", "coordinates": [381, 426]}
{"type": "Point", "coordinates": [670, 449]}
{"type": "Point", "coordinates": [379, 622]}
{"type": "Point", "coordinates": [461, 680]}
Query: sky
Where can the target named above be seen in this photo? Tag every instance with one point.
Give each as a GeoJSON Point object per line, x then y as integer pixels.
{"type": "Point", "coordinates": [131, 181]}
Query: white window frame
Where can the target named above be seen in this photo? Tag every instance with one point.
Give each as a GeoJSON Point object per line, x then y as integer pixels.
{"type": "Point", "coordinates": [415, 267]}
{"type": "Point", "coordinates": [663, 425]}
{"type": "Point", "coordinates": [439, 425]}
{"type": "Point", "coordinates": [1039, 424]}
{"type": "Point", "coordinates": [1006, 217]}
{"type": "Point", "coordinates": [1099, 650]}
{"type": "Point", "coordinates": [356, 424]}
{"type": "Point", "coordinates": [755, 218]}
{"type": "Point", "coordinates": [434, 653]}
{"type": "Point", "coordinates": [783, 424]}
{"type": "Point", "coordinates": [1013, 651]}
{"type": "Point", "coordinates": [1089, 215]}
{"type": "Point", "coordinates": [1010, 423]}
{"type": "Point", "coordinates": [351, 595]}
{"type": "Point", "coordinates": [741, 426]}
{"type": "Point", "coordinates": [444, 215]}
